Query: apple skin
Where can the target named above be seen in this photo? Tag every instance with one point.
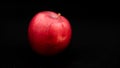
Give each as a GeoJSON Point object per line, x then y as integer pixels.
{"type": "Point", "coordinates": [49, 33]}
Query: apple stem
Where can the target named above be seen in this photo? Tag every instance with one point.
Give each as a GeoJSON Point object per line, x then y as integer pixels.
{"type": "Point", "coordinates": [59, 15]}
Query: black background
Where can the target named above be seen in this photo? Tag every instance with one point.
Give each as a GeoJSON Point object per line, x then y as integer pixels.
{"type": "Point", "coordinates": [95, 34]}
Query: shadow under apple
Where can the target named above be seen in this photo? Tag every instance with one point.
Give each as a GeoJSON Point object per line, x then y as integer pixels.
{"type": "Point", "coordinates": [61, 60]}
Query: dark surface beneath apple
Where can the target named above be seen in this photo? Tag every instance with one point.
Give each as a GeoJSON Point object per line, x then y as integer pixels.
{"type": "Point", "coordinates": [95, 35]}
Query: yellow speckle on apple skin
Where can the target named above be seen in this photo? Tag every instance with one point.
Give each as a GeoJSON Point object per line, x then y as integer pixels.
{"type": "Point", "coordinates": [60, 38]}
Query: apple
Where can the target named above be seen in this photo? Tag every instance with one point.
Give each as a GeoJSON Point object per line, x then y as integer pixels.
{"type": "Point", "coordinates": [49, 33]}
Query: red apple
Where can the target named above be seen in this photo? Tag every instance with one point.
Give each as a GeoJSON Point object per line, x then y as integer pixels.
{"type": "Point", "coordinates": [49, 33]}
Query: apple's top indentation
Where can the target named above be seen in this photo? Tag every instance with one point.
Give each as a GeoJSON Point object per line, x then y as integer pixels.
{"type": "Point", "coordinates": [54, 15]}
